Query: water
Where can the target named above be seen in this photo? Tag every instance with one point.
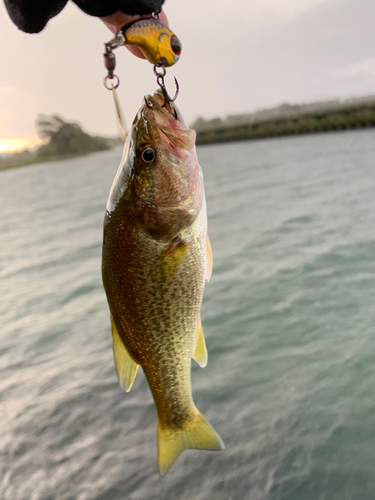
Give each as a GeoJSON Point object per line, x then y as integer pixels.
{"type": "Point", "coordinates": [288, 316]}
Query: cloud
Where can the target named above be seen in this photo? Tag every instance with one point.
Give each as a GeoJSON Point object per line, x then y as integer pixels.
{"type": "Point", "coordinates": [356, 78]}
{"type": "Point", "coordinates": [225, 21]}
{"type": "Point", "coordinates": [287, 10]}
{"type": "Point", "coordinates": [238, 56]}
{"type": "Point", "coordinates": [360, 69]}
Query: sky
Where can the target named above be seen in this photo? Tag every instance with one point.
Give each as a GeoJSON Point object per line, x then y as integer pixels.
{"type": "Point", "coordinates": [237, 57]}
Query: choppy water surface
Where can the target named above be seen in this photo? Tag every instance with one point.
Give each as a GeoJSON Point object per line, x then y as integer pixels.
{"type": "Point", "coordinates": [288, 316]}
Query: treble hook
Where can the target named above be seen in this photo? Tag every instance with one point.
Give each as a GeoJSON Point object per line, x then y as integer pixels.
{"type": "Point", "coordinates": [167, 98]}
{"type": "Point", "coordinates": [160, 80]}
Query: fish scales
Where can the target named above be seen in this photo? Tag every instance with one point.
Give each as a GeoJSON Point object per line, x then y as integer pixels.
{"type": "Point", "coordinates": [154, 269]}
{"type": "Point", "coordinates": [158, 317]}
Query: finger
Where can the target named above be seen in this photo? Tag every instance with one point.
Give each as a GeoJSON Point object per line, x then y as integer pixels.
{"type": "Point", "coordinates": [163, 18]}
{"type": "Point", "coordinates": [135, 51]}
{"type": "Point", "coordinates": [116, 21]}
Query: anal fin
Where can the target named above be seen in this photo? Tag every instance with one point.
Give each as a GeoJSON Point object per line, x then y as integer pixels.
{"type": "Point", "coordinates": [125, 365]}
{"type": "Point", "coordinates": [200, 353]}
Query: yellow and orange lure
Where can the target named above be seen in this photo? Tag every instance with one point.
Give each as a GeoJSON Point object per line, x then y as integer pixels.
{"type": "Point", "coordinates": [157, 42]}
{"type": "Point", "coordinates": [159, 45]}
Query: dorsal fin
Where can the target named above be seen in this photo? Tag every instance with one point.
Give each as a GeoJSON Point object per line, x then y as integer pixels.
{"type": "Point", "coordinates": [125, 365]}
{"type": "Point", "coordinates": [200, 353]}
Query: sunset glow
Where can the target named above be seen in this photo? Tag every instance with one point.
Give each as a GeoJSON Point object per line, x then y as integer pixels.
{"type": "Point", "coordinates": [14, 145]}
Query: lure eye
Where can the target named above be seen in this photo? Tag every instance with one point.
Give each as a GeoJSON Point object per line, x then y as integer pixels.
{"type": "Point", "coordinates": [176, 45]}
{"type": "Point", "coordinates": [148, 154]}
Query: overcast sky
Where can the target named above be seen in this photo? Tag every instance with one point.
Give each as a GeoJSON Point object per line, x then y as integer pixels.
{"type": "Point", "coordinates": [238, 56]}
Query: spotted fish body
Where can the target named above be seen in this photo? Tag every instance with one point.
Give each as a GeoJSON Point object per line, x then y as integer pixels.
{"type": "Point", "coordinates": [156, 258]}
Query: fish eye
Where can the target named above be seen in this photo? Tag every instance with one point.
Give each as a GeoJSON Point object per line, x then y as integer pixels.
{"type": "Point", "coordinates": [148, 154]}
{"type": "Point", "coordinates": [176, 45]}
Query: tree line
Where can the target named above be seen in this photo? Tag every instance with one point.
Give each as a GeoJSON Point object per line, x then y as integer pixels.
{"type": "Point", "coordinates": [65, 139]}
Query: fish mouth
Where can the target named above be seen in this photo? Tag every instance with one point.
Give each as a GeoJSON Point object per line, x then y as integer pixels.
{"type": "Point", "coordinates": [166, 119]}
{"type": "Point", "coordinates": [161, 99]}
{"type": "Point", "coordinates": [158, 104]}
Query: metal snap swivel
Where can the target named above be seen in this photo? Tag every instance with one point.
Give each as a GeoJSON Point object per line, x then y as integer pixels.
{"type": "Point", "coordinates": [109, 84]}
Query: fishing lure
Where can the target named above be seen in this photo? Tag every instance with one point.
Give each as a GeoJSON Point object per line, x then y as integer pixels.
{"type": "Point", "coordinates": [158, 44]}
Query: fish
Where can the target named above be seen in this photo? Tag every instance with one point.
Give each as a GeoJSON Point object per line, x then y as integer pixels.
{"type": "Point", "coordinates": [156, 259]}
{"type": "Point", "coordinates": [157, 42]}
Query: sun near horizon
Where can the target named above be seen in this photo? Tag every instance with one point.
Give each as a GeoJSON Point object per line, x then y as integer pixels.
{"type": "Point", "coordinates": [16, 145]}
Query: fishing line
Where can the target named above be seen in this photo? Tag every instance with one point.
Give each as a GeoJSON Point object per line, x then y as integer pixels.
{"type": "Point", "coordinates": [159, 45]}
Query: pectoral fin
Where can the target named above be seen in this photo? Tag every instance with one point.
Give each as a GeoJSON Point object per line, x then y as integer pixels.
{"type": "Point", "coordinates": [169, 262]}
{"type": "Point", "coordinates": [126, 367]}
{"type": "Point", "coordinates": [200, 353]}
{"type": "Point", "coordinates": [209, 259]}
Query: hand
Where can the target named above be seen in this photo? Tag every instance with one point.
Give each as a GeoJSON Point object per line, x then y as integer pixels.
{"type": "Point", "coordinates": [116, 21]}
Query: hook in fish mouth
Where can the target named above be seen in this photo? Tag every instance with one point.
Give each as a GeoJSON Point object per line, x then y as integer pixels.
{"type": "Point", "coordinates": [147, 103]}
{"type": "Point", "coordinates": [160, 72]}
{"type": "Point", "coordinates": [167, 99]}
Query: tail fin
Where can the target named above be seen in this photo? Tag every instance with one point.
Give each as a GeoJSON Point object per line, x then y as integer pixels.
{"type": "Point", "coordinates": [199, 435]}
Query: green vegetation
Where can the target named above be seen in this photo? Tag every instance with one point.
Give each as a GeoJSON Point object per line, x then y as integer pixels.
{"type": "Point", "coordinates": [287, 120]}
{"type": "Point", "coordinates": [66, 139]}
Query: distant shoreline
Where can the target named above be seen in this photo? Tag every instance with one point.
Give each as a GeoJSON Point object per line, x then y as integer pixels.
{"type": "Point", "coordinates": [343, 117]}
{"type": "Point", "coordinates": [11, 163]}
{"type": "Point", "coordinates": [283, 121]}
{"type": "Point", "coordinates": [35, 161]}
